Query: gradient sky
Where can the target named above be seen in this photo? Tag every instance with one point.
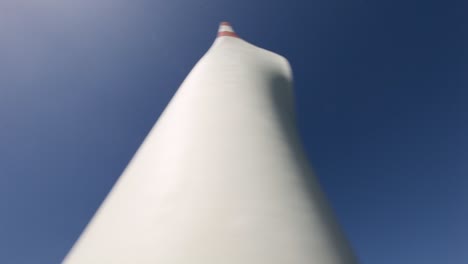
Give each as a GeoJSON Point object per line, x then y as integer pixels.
{"type": "Point", "coordinates": [381, 91]}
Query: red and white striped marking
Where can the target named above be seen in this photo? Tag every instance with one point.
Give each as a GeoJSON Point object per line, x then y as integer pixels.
{"type": "Point", "coordinates": [225, 30]}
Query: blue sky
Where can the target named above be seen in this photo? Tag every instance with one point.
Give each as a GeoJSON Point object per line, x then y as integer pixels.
{"type": "Point", "coordinates": [381, 92]}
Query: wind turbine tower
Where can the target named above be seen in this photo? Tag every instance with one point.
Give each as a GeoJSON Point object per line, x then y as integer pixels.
{"type": "Point", "coordinates": [221, 178]}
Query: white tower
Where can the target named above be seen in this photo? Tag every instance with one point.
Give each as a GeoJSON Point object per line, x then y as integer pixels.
{"type": "Point", "coordinates": [221, 178]}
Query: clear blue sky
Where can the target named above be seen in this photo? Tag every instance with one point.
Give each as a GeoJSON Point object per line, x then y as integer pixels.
{"type": "Point", "coordinates": [382, 101]}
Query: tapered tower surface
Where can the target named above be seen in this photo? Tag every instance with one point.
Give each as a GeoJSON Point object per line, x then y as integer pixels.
{"type": "Point", "coordinates": [221, 178]}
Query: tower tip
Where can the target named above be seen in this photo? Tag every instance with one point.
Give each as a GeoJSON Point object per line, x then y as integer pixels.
{"type": "Point", "coordinates": [225, 30]}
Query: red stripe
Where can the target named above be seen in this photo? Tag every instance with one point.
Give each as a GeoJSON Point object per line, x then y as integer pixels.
{"type": "Point", "coordinates": [227, 34]}
{"type": "Point", "coordinates": [225, 24]}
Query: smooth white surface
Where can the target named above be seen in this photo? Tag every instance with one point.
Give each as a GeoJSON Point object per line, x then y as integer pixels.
{"type": "Point", "coordinates": [221, 178]}
{"type": "Point", "coordinates": [225, 28]}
